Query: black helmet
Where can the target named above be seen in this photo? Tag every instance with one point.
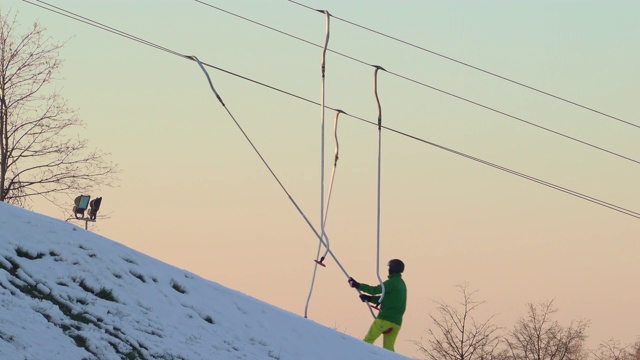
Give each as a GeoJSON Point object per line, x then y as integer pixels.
{"type": "Point", "coordinates": [396, 266]}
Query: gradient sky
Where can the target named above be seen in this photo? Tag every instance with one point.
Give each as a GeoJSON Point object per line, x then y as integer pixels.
{"type": "Point", "coordinates": [194, 194]}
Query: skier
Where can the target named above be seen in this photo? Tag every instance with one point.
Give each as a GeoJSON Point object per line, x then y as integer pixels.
{"type": "Point", "coordinates": [394, 303]}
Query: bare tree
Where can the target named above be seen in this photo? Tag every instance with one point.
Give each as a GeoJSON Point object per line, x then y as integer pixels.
{"type": "Point", "coordinates": [457, 334]}
{"type": "Point", "coordinates": [613, 350]}
{"type": "Point", "coordinates": [538, 337]}
{"type": "Point", "coordinates": [39, 154]}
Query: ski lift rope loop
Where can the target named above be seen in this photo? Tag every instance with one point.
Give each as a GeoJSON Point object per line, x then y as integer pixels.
{"type": "Point", "coordinates": [322, 108]}
{"type": "Point", "coordinates": [322, 209]}
{"type": "Point", "coordinates": [375, 92]}
{"type": "Point", "coordinates": [266, 164]}
{"type": "Point", "coordinates": [325, 211]}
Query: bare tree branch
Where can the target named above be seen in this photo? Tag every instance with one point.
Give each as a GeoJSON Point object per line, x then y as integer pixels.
{"type": "Point", "coordinates": [456, 334]}
{"type": "Point", "coordinates": [538, 337]}
{"type": "Point", "coordinates": [614, 350]}
{"type": "Point", "coordinates": [39, 155]}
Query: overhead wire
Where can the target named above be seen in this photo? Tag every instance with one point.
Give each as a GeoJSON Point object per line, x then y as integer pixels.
{"type": "Point", "coordinates": [82, 19]}
{"type": "Point", "coordinates": [449, 58]}
{"type": "Point", "coordinates": [417, 82]}
{"type": "Point", "coordinates": [565, 190]}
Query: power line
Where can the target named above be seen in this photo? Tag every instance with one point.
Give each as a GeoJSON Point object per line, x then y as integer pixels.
{"type": "Point", "coordinates": [476, 68]}
{"type": "Point", "coordinates": [472, 102]}
{"type": "Point", "coordinates": [71, 15]}
{"type": "Point", "coordinates": [126, 35]}
{"type": "Point", "coordinates": [280, 31]}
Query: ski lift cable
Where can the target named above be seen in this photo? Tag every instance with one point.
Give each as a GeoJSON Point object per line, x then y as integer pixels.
{"type": "Point", "coordinates": [449, 58]}
{"type": "Point", "coordinates": [444, 92]}
{"type": "Point", "coordinates": [320, 237]}
{"type": "Point", "coordinates": [593, 200]}
{"type": "Point", "coordinates": [519, 174]}
{"type": "Point", "coordinates": [85, 20]}
{"type": "Point", "coordinates": [375, 92]}
{"type": "Point", "coordinates": [518, 119]}
{"type": "Point", "coordinates": [255, 148]}
{"type": "Point", "coordinates": [322, 210]}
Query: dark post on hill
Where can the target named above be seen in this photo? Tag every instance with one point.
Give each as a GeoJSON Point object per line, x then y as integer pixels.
{"type": "Point", "coordinates": [40, 153]}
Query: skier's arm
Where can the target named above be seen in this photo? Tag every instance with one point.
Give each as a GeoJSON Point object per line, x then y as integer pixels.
{"type": "Point", "coordinates": [376, 290]}
{"type": "Point", "coordinates": [373, 290]}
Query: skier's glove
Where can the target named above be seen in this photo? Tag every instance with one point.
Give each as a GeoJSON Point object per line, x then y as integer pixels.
{"type": "Point", "coordinates": [353, 283]}
{"type": "Point", "coordinates": [365, 297]}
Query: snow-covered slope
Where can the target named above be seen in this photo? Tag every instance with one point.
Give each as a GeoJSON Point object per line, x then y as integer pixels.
{"type": "Point", "coordinates": [66, 293]}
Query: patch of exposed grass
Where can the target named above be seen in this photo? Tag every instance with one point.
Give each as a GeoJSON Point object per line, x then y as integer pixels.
{"type": "Point", "coordinates": [256, 341]}
{"type": "Point", "coordinates": [45, 315]}
{"type": "Point", "coordinates": [80, 340]}
{"type": "Point", "coordinates": [14, 264]}
{"type": "Point", "coordinates": [82, 301]}
{"type": "Point", "coordinates": [79, 317]}
{"type": "Point", "coordinates": [35, 293]}
{"type": "Point", "coordinates": [130, 261]}
{"type": "Point", "coordinates": [23, 253]}
{"type": "Point", "coordinates": [177, 287]}
{"type": "Point", "coordinates": [75, 322]}
{"type": "Point", "coordinates": [138, 275]}
{"type": "Point", "coordinates": [29, 290]}
{"type": "Point", "coordinates": [106, 294]}
{"type": "Point", "coordinates": [13, 270]}
{"type": "Point", "coordinates": [167, 356]}
{"type": "Point", "coordinates": [4, 267]}
{"type": "Point", "coordinates": [69, 330]}
{"type": "Point", "coordinates": [103, 293]}
{"type": "Point", "coordinates": [85, 287]}
{"type": "Point", "coordinates": [6, 337]}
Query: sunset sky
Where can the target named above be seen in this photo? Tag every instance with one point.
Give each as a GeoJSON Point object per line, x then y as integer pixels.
{"type": "Point", "coordinates": [193, 193]}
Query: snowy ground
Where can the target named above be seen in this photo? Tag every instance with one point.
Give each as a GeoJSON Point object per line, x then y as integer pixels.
{"type": "Point", "coordinates": [66, 293]}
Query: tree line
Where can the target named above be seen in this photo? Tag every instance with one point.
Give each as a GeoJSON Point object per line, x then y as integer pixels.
{"type": "Point", "coordinates": [456, 334]}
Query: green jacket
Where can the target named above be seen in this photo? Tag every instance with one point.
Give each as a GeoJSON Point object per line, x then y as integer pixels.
{"type": "Point", "coordinates": [394, 302]}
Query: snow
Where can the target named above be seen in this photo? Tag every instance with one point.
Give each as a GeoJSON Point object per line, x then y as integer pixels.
{"type": "Point", "coordinates": [67, 293]}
